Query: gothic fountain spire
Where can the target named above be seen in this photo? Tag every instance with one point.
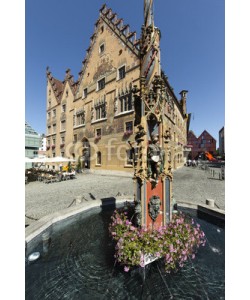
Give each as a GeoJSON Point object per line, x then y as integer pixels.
{"type": "Point", "coordinates": [152, 174]}
{"type": "Point", "coordinates": [148, 13]}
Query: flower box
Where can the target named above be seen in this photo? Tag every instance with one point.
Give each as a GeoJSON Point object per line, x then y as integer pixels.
{"type": "Point", "coordinates": [62, 145]}
{"type": "Point", "coordinates": [53, 146]}
{"type": "Point", "coordinates": [48, 147]}
{"type": "Point", "coordinates": [97, 138]}
{"type": "Point", "coordinates": [128, 133]}
{"type": "Point", "coordinates": [149, 258]}
{"type": "Point", "coordinates": [176, 242]}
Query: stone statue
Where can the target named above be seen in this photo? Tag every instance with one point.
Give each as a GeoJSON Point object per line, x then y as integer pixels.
{"type": "Point", "coordinates": [156, 158]}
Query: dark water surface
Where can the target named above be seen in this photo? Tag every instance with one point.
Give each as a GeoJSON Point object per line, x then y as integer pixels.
{"type": "Point", "coordinates": [80, 265]}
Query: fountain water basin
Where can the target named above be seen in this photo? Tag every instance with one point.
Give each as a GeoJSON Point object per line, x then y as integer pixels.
{"type": "Point", "coordinates": [80, 264]}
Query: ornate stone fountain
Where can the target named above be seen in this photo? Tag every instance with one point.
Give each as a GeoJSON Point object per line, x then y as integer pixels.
{"type": "Point", "coordinates": [81, 267]}
{"type": "Point", "coordinates": [152, 174]}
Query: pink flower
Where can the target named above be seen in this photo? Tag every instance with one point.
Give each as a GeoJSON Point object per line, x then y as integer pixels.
{"type": "Point", "coordinates": [126, 269]}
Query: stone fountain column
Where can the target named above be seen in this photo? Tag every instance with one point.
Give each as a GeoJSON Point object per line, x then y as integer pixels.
{"type": "Point", "coordinates": [152, 169]}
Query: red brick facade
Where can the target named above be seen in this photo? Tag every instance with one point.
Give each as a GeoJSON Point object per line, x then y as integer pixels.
{"type": "Point", "coordinates": [205, 142]}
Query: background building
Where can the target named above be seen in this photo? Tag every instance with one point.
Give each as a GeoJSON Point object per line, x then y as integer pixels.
{"type": "Point", "coordinates": [42, 150]}
{"type": "Point", "coordinates": [221, 143]}
{"type": "Point", "coordinates": [92, 119]}
{"type": "Point", "coordinates": [33, 142]}
{"type": "Point", "coordinates": [204, 143]}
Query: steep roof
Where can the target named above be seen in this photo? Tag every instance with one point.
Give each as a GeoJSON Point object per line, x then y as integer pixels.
{"type": "Point", "coordinates": [191, 133]}
{"type": "Point", "coordinates": [205, 132]}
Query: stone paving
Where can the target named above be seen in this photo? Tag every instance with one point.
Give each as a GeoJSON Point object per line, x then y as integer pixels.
{"type": "Point", "coordinates": [190, 184]}
{"type": "Point", "coordinates": [196, 185]}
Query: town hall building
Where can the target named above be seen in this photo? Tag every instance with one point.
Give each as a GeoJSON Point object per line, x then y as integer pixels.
{"type": "Point", "coordinates": [92, 119]}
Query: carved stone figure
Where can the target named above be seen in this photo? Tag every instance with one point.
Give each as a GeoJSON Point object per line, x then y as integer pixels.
{"type": "Point", "coordinates": [140, 133]}
{"type": "Point", "coordinates": [156, 158]}
{"type": "Point", "coordinates": [154, 206]}
{"type": "Point", "coordinates": [167, 136]}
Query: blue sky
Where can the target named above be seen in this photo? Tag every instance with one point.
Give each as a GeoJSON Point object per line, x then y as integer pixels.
{"type": "Point", "coordinates": [57, 34]}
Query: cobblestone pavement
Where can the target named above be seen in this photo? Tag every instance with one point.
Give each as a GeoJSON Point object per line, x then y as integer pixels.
{"type": "Point", "coordinates": [196, 185]}
{"type": "Point", "coordinates": [190, 184]}
{"type": "Point", "coordinates": [45, 198]}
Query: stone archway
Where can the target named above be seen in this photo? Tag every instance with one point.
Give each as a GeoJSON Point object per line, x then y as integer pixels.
{"type": "Point", "coordinates": [85, 153]}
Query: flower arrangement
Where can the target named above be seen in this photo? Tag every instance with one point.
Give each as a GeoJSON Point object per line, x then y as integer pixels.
{"type": "Point", "coordinates": [176, 242]}
{"type": "Point", "coordinates": [61, 145]}
{"type": "Point", "coordinates": [53, 146]}
{"type": "Point", "coordinates": [97, 138]}
{"type": "Point", "coordinates": [127, 133]}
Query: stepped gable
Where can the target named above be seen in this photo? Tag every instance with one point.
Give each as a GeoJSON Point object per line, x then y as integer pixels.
{"type": "Point", "coordinates": [56, 85]}
{"type": "Point", "coordinates": [59, 86]}
{"type": "Point", "coordinates": [122, 31]}
{"type": "Point", "coordinates": [70, 79]}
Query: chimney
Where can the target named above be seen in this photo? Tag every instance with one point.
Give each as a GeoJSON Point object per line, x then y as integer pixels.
{"type": "Point", "coordinates": [183, 101]}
